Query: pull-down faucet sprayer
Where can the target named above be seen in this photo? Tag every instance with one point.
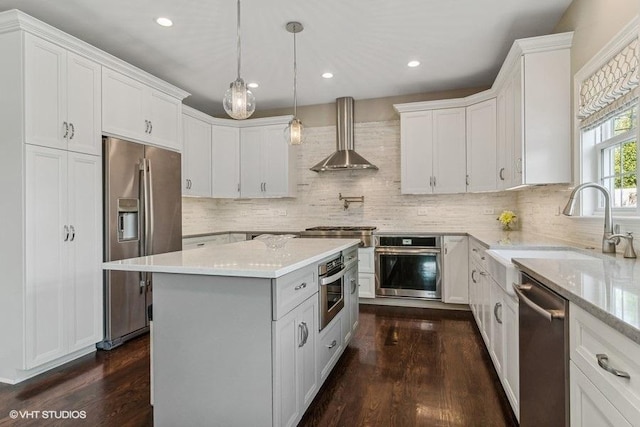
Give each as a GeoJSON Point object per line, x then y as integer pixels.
{"type": "Point", "coordinates": [608, 244]}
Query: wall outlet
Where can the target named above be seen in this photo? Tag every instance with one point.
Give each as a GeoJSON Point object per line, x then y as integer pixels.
{"type": "Point", "coordinates": [423, 211]}
{"type": "Point", "coordinates": [488, 211]}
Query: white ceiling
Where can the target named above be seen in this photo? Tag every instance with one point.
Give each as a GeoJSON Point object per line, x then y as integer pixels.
{"type": "Point", "coordinates": [365, 43]}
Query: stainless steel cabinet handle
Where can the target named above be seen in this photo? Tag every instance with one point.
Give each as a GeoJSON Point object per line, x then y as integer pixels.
{"type": "Point", "coordinates": [66, 230]}
{"type": "Point", "coordinates": [482, 273]}
{"type": "Point", "coordinates": [146, 126]}
{"type": "Point", "coordinates": [66, 129]}
{"type": "Point", "coordinates": [466, 181]}
{"type": "Point", "coordinates": [473, 278]}
{"type": "Point", "coordinates": [333, 344]}
{"type": "Point", "coordinates": [497, 307]}
{"type": "Point", "coordinates": [353, 286]}
{"type": "Point", "coordinates": [603, 362]}
{"type": "Point", "coordinates": [306, 333]}
{"type": "Point", "coordinates": [474, 250]}
{"type": "Point", "coordinates": [73, 130]}
{"type": "Point", "coordinates": [300, 286]}
{"type": "Point", "coordinates": [200, 244]}
{"type": "Point", "coordinates": [501, 174]}
{"type": "Point", "coordinates": [434, 181]}
{"type": "Point", "coordinates": [265, 187]}
{"type": "Point", "coordinates": [73, 233]}
{"type": "Point", "coordinates": [150, 127]}
{"type": "Point", "coordinates": [548, 314]}
{"type": "Point", "coordinates": [301, 328]}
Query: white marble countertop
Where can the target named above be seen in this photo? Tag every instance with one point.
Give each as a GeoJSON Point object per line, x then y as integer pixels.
{"type": "Point", "coordinates": [607, 287]}
{"type": "Point", "coordinates": [249, 258]}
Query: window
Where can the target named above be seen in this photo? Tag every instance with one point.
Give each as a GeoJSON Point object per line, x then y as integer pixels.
{"type": "Point", "coordinates": [617, 152]}
{"type": "Point", "coordinates": [607, 94]}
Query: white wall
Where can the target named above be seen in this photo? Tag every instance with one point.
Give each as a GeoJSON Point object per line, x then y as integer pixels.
{"type": "Point", "coordinates": [317, 201]}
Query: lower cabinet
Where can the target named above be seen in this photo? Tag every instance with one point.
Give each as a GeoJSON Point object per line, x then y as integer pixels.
{"type": "Point", "coordinates": [604, 368]}
{"type": "Point", "coordinates": [511, 359]}
{"type": "Point", "coordinates": [295, 354]}
{"type": "Point", "coordinates": [455, 286]}
{"type": "Point", "coordinates": [366, 273]}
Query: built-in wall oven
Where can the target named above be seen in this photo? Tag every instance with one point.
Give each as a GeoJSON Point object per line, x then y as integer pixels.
{"type": "Point", "coordinates": [409, 266]}
{"type": "Point", "coordinates": [331, 294]}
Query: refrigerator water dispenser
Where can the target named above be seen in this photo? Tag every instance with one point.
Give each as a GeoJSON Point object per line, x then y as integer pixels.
{"type": "Point", "coordinates": [128, 220]}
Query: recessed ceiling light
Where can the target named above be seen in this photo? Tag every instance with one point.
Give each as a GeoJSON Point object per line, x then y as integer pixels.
{"type": "Point", "coordinates": [253, 85]}
{"type": "Point", "coordinates": [327, 75]}
{"type": "Point", "coordinates": [413, 64]}
{"type": "Point", "coordinates": [164, 22]}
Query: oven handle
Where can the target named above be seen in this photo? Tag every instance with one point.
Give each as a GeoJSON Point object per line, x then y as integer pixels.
{"type": "Point", "coordinates": [401, 250]}
{"type": "Point", "coordinates": [324, 281]}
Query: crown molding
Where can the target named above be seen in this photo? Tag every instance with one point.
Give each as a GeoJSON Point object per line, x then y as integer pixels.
{"type": "Point", "coordinates": [196, 114]}
{"type": "Point", "coordinates": [15, 20]}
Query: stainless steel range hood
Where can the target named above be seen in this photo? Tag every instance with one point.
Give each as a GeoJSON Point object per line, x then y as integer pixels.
{"type": "Point", "coordinates": [345, 157]}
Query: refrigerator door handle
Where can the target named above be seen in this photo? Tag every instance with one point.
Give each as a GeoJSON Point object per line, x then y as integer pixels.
{"type": "Point", "coordinates": [149, 213]}
{"type": "Point", "coordinates": [143, 282]}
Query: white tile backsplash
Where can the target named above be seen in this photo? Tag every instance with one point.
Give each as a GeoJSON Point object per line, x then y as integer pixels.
{"type": "Point", "coordinates": [317, 196]}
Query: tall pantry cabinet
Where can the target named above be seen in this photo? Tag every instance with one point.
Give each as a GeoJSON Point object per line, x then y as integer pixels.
{"type": "Point", "coordinates": [50, 198]}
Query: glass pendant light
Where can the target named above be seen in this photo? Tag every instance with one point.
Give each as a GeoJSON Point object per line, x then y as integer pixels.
{"type": "Point", "coordinates": [239, 102]}
{"type": "Point", "coordinates": [294, 131]}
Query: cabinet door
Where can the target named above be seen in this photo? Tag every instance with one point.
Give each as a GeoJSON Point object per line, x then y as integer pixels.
{"type": "Point", "coordinates": [416, 148]}
{"type": "Point", "coordinates": [165, 116]}
{"type": "Point", "coordinates": [225, 162]}
{"type": "Point", "coordinates": [589, 407]}
{"type": "Point", "coordinates": [366, 285]}
{"type": "Point", "coordinates": [504, 153]}
{"type": "Point", "coordinates": [84, 296]}
{"type": "Point", "coordinates": [515, 128]}
{"type": "Point", "coordinates": [497, 327]}
{"type": "Point", "coordinates": [484, 305]}
{"type": "Point", "coordinates": [510, 362]}
{"type": "Point", "coordinates": [308, 352]}
{"type": "Point", "coordinates": [45, 93]}
{"type": "Point", "coordinates": [123, 106]}
{"type": "Point", "coordinates": [251, 174]}
{"type": "Point", "coordinates": [481, 146]}
{"type": "Point", "coordinates": [354, 301]}
{"type": "Point", "coordinates": [449, 151]}
{"type": "Point", "coordinates": [456, 270]}
{"type": "Point", "coordinates": [288, 335]}
{"type": "Point", "coordinates": [84, 105]}
{"type": "Point", "coordinates": [196, 158]}
{"type": "Point", "coordinates": [47, 242]}
{"type": "Point", "coordinates": [275, 155]}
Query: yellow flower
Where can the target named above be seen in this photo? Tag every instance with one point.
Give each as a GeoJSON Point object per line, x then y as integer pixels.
{"type": "Point", "coordinates": [507, 217]}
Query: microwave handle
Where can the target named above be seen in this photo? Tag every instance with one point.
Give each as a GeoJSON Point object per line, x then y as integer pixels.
{"type": "Point", "coordinates": [324, 281]}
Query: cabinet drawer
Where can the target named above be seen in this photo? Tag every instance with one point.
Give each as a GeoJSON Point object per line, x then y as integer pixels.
{"type": "Point", "coordinates": [293, 288]}
{"type": "Point", "coordinates": [366, 260]}
{"type": "Point", "coordinates": [477, 253]}
{"type": "Point", "coordinates": [590, 337]}
{"type": "Point", "coordinates": [330, 346]}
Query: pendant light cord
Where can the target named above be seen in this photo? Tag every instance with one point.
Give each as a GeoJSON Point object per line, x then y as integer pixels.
{"type": "Point", "coordinates": [239, 44]}
{"type": "Point", "coordinates": [295, 77]}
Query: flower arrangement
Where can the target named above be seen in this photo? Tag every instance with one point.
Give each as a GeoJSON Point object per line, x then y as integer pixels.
{"type": "Point", "coordinates": [507, 219]}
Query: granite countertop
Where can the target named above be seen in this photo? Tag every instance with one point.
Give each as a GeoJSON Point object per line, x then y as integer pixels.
{"type": "Point", "coordinates": [249, 258]}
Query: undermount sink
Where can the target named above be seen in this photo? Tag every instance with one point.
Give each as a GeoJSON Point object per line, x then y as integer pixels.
{"type": "Point", "coordinates": [505, 273]}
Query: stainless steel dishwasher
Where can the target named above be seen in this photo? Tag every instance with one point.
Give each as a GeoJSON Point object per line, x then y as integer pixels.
{"type": "Point", "coordinates": [544, 355]}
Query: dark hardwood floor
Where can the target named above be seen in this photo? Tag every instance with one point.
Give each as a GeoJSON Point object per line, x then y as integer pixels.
{"type": "Point", "coordinates": [406, 367]}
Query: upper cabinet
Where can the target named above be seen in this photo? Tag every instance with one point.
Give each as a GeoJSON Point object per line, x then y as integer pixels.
{"type": "Point", "coordinates": [62, 98]}
{"type": "Point", "coordinates": [134, 110]}
{"type": "Point", "coordinates": [225, 161]}
{"type": "Point", "coordinates": [267, 161]}
{"type": "Point", "coordinates": [517, 133]}
{"type": "Point", "coordinates": [481, 146]}
{"type": "Point", "coordinates": [433, 151]}
{"type": "Point", "coordinates": [196, 157]}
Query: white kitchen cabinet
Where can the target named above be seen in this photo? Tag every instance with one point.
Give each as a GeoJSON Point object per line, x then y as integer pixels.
{"type": "Point", "coordinates": [599, 395]}
{"type": "Point", "coordinates": [136, 111]}
{"type": "Point", "coordinates": [266, 162]}
{"type": "Point", "coordinates": [295, 352]}
{"type": "Point", "coordinates": [62, 98]}
{"type": "Point", "coordinates": [456, 270]}
{"type": "Point", "coordinates": [225, 162]}
{"type": "Point", "coordinates": [481, 146]}
{"type": "Point", "coordinates": [511, 355]}
{"type": "Point", "coordinates": [366, 273]}
{"type": "Point", "coordinates": [63, 283]}
{"type": "Point", "coordinates": [351, 299]}
{"type": "Point", "coordinates": [433, 153]}
{"type": "Point", "coordinates": [204, 241]}
{"type": "Point", "coordinates": [196, 157]}
{"type": "Point", "coordinates": [496, 310]}
{"type": "Point", "coordinates": [534, 116]}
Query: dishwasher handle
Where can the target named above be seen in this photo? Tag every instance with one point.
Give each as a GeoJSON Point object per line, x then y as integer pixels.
{"type": "Point", "coordinates": [547, 314]}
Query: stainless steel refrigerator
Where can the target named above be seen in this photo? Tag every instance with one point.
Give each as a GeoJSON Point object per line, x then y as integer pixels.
{"type": "Point", "coordinates": [142, 216]}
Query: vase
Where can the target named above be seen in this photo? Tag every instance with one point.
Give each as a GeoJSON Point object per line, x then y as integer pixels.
{"type": "Point", "coordinates": [506, 227]}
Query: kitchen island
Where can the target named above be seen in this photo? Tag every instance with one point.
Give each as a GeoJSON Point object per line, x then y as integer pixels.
{"type": "Point", "coordinates": [236, 337]}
